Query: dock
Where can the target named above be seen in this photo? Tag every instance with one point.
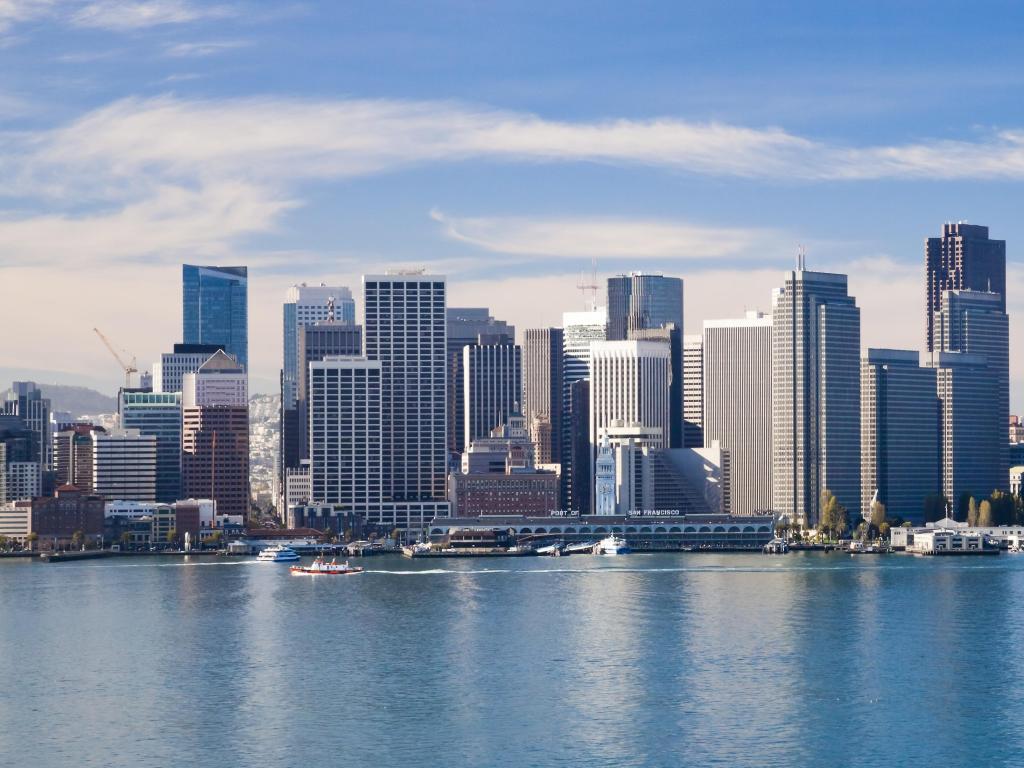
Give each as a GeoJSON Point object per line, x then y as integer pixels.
{"type": "Point", "coordinates": [67, 557]}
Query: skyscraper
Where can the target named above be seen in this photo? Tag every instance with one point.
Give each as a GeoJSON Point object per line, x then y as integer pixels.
{"type": "Point", "coordinates": [169, 373]}
{"type": "Point", "coordinates": [640, 302]}
{"type": "Point", "coordinates": [305, 305]}
{"type": "Point", "coordinates": [345, 431]}
{"type": "Point", "coordinates": [72, 454]}
{"type": "Point", "coordinates": [215, 308]}
{"type": "Point", "coordinates": [20, 471]}
{"type": "Point", "coordinates": [492, 387]}
{"type": "Point", "coordinates": [404, 330]}
{"type": "Point", "coordinates": [899, 433]}
{"type": "Point", "coordinates": [963, 258]}
{"type": "Point", "coordinates": [693, 391]}
{"type": "Point", "coordinates": [467, 325]}
{"type": "Point", "coordinates": [815, 395]}
{"type": "Point", "coordinates": [579, 330]}
{"type": "Point", "coordinates": [974, 322]}
{"type": "Point", "coordinates": [158, 414]}
{"type": "Point", "coordinates": [542, 390]}
{"type": "Point", "coordinates": [671, 335]}
{"type": "Point", "coordinates": [737, 412]}
{"type": "Point", "coordinates": [124, 465]}
{"type": "Point", "coordinates": [26, 401]}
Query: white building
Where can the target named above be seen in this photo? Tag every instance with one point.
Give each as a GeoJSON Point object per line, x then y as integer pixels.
{"type": "Point", "coordinates": [629, 383]}
{"type": "Point", "coordinates": [220, 381]}
{"type": "Point", "coordinates": [605, 479]}
{"type": "Point", "coordinates": [19, 480]}
{"type": "Point", "coordinates": [579, 331]}
{"type": "Point", "coordinates": [124, 465]}
{"type": "Point", "coordinates": [169, 373]}
{"type": "Point", "coordinates": [737, 405]}
{"type": "Point", "coordinates": [693, 391]}
{"type": "Point", "coordinates": [298, 485]}
{"type": "Point", "coordinates": [306, 305]}
{"type": "Point", "coordinates": [16, 520]}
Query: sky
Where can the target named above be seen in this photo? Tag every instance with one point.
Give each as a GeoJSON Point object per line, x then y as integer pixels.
{"type": "Point", "coordinates": [504, 145]}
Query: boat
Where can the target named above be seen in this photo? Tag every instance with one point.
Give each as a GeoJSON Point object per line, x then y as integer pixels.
{"type": "Point", "coordinates": [612, 545]}
{"type": "Point", "coordinates": [278, 554]}
{"type": "Point", "coordinates": [776, 546]}
{"type": "Point", "coordinates": [321, 568]}
{"type": "Point", "coordinates": [581, 548]}
{"type": "Point", "coordinates": [551, 550]}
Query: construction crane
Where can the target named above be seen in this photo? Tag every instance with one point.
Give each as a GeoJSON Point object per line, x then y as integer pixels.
{"type": "Point", "coordinates": [129, 368]}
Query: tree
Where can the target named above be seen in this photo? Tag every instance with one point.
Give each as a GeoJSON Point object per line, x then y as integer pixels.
{"type": "Point", "coordinates": [985, 514]}
{"type": "Point", "coordinates": [126, 539]}
{"type": "Point", "coordinates": [77, 538]}
{"type": "Point", "coordinates": [972, 512]}
{"type": "Point", "coordinates": [841, 519]}
{"type": "Point", "coordinates": [4, 541]}
{"type": "Point", "coordinates": [827, 517]}
{"type": "Point", "coordinates": [883, 529]}
{"type": "Point", "coordinates": [934, 507]}
{"type": "Point", "coordinates": [172, 534]}
{"type": "Point", "coordinates": [877, 517]}
{"type": "Point", "coordinates": [32, 538]}
{"type": "Point", "coordinates": [1002, 508]}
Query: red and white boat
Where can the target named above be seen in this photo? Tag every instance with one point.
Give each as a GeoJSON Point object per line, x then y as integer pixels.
{"type": "Point", "coordinates": [320, 567]}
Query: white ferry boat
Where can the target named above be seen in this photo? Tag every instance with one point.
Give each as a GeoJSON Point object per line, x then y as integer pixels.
{"type": "Point", "coordinates": [612, 545]}
{"type": "Point", "coordinates": [321, 568]}
{"type": "Point", "coordinates": [278, 554]}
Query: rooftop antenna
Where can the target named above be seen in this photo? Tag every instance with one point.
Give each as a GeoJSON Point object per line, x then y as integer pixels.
{"type": "Point", "coordinates": [592, 286]}
{"type": "Point", "coordinates": [801, 258]}
{"type": "Point", "coordinates": [330, 309]}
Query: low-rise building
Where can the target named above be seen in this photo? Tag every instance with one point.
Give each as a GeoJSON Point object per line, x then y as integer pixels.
{"type": "Point", "coordinates": [919, 538]}
{"type": "Point", "coordinates": [16, 520]}
{"type": "Point", "coordinates": [56, 519]}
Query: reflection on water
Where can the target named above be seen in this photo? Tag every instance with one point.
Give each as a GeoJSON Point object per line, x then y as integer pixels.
{"type": "Point", "coordinates": [653, 660]}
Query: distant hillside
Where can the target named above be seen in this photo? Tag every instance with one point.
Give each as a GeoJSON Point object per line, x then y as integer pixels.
{"type": "Point", "coordinates": [80, 401]}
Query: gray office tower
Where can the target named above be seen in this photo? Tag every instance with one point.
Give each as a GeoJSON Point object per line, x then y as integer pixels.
{"type": "Point", "coordinates": [492, 387]}
{"type": "Point", "coordinates": [25, 400]}
{"type": "Point", "coordinates": [542, 391]}
{"type": "Point", "coordinates": [672, 335]}
{"type": "Point", "coordinates": [963, 258]}
{"type": "Point", "coordinates": [899, 433]}
{"type": "Point", "coordinates": [215, 308]}
{"type": "Point", "coordinates": [974, 322]}
{"type": "Point", "coordinates": [323, 339]}
{"type": "Point", "coordinates": [639, 302]}
{"type": "Point", "coordinates": [467, 325]}
{"type": "Point", "coordinates": [693, 391]}
{"type": "Point", "coordinates": [737, 397]}
{"type": "Point", "coordinates": [969, 456]}
{"type": "Point", "coordinates": [305, 305]}
{"type": "Point", "coordinates": [579, 330]}
{"type": "Point", "coordinates": [158, 414]}
{"type": "Point", "coordinates": [815, 395]}
{"type": "Point", "coordinates": [404, 329]}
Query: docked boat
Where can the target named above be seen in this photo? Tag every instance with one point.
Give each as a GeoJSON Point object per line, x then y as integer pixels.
{"type": "Point", "coordinates": [321, 568]}
{"type": "Point", "coordinates": [278, 554]}
{"type": "Point", "coordinates": [552, 550]}
{"type": "Point", "coordinates": [612, 545]}
{"type": "Point", "coordinates": [776, 546]}
{"type": "Point", "coordinates": [580, 548]}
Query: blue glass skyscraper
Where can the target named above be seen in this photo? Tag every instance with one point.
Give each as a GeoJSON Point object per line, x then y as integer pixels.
{"type": "Point", "coordinates": [215, 308]}
{"type": "Point", "coordinates": [638, 302]}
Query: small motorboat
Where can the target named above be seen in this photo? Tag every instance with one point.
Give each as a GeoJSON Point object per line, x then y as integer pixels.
{"type": "Point", "coordinates": [319, 567]}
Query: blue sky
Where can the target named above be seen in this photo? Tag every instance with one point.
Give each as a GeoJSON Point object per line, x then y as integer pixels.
{"type": "Point", "coordinates": [502, 144]}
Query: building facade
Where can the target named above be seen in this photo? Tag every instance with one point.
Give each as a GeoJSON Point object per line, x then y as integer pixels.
{"type": "Point", "coordinates": [169, 373]}
{"type": "Point", "coordinates": [579, 330]}
{"type": "Point", "coordinates": [492, 386]}
{"type": "Point", "coordinates": [737, 405]}
{"type": "Point", "coordinates": [124, 465]}
{"type": "Point", "coordinates": [25, 400]}
{"type": "Point", "coordinates": [542, 391]}
{"type": "Point", "coordinates": [693, 391]}
{"type": "Point", "coordinates": [215, 308]}
{"type": "Point", "coordinates": [642, 302]}
{"type": "Point", "coordinates": [158, 414]}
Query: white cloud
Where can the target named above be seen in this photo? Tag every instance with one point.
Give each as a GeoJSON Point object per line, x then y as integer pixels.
{"type": "Point", "coordinates": [204, 48]}
{"type": "Point", "coordinates": [127, 15]}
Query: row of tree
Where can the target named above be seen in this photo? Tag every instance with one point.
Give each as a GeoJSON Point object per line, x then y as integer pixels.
{"type": "Point", "coordinates": [1000, 508]}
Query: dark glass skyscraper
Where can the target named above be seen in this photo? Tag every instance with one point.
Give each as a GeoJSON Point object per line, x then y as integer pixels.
{"type": "Point", "coordinates": [215, 308]}
{"type": "Point", "coordinates": [640, 302]}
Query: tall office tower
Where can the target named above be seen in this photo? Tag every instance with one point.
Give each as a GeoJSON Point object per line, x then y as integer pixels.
{"type": "Point", "coordinates": [576, 472]}
{"type": "Point", "coordinates": [215, 435]}
{"type": "Point", "coordinates": [963, 258]}
{"type": "Point", "coordinates": [404, 330]}
{"type": "Point", "coordinates": [20, 471]}
{"type": "Point", "coordinates": [492, 387]}
{"type": "Point", "coordinates": [815, 395]}
{"type": "Point", "coordinates": [72, 455]}
{"type": "Point", "coordinates": [640, 302]}
{"type": "Point", "coordinates": [169, 373]}
{"type": "Point", "coordinates": [899, 433]}
{"type": "Point", "coordinates": [306, 305]}
{"type": "Point", "coordinates": [542, 391]}
{"type": "Point", "coordinates": [124, 465]}
{"type": "Point", "coordinates": [629, 383]}
{"type": "Point", "coordinates": [970, 458]}
{"type": "Point", "coordinates": [974, 322]}
{"type": "Point", "coordinates": [215, 308]}
{"type": "Point", "coordinates": [345, 435]}
{"type": "Point", "coordinates": [26, 401]}
{"type": "Point", "coordinates": [693, 391]}
{"type": "Point", "coordinates": [737, 412]}
{"type": "Point", "coordinates": [158, 414]}
{"type": "Point", "coordinates": [467, 325]}
{"type": "Point", "coordinates": [579, 330]}
{"type": "Point", "coordinates": [671, 335]}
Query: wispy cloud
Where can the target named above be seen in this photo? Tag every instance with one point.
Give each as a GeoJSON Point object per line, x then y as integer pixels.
{"type": "Point", "coordinates": [127, 15]}
{"type": "Point", "coordinates": [601, 237]}
{"type": "Point", "coordinates": [205, 48]}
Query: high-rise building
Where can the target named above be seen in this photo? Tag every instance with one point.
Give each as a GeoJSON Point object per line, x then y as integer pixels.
{"type": "Point", "coordinates": [72, 454]}
{"type": "Point", "coordinates": [20, 471]}
{"type": "Point", "coordinates": [306, 305]}
{"type": "Point", "coordinates": [542, 391]}
{"type": "Point", "coordinates": [974, 322]}
{"type": "Point", "coordinates": [345, 431]}
{"type": "Point", "coordinates": [970, 458]}
{"type": "Point", "coordinates": [124, 465]}
{"type": "Point", "coordinates": [672, 335]}
{"type": "Point", "coordinates": [169, 373]}
{"type": "Point", "coordinates": [737, 412]}
{"type": "Point", "coordinates": [26, 401]}
{"type": "Point", "coordinates": [404, 330]}
{"type": "Point", "coordinates": [629, 384]}
{"type": "Point", "coordinates": [215, 435]}
{"type": "Point", "coordinates": [579, 330]}
{"type": "Point", "coordinates": [962, 258]}
{"type": "Point", "coordinates": [693, 391]}
{"type": "Point", "coordinates": [815, 395]}
{"type": "Point", "coordinates": [492, 385]}
{"type": "Point", "coordinates": [158, 414]}
{"type": "Point", "coordinates": [215, 308]}
{"type": "Point", "coordinates": [467, 325]}
{"type": "Point", "coordinates": [641, 302]}
{"type": "Point", "coordinates": [899, 433]}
